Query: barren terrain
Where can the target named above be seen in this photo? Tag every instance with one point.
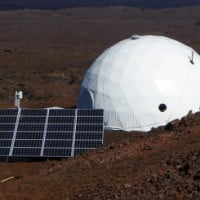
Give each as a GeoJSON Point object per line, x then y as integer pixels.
{"type": "Point", "coordinates": [45, 54]}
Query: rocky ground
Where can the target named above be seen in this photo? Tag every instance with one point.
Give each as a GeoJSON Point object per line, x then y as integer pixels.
{"type": "Point", "coordinates": [161, 164]}
{"type": "Point", "coordinates": [45, 54]}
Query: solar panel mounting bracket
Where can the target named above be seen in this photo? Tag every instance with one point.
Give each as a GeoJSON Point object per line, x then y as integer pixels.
{"type": "Point", "coordinates": [15, 132]}
{"type": "Point", "coordinates": [45, 132]}
{"type": "Point", "coordinates": [74, 132]}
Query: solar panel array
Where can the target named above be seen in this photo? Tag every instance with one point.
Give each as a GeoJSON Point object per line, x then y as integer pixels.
{"type": "Point", "coordinates": [49, 132]}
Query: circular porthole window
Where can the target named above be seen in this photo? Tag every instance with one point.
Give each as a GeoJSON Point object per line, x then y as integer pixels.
{"type": "Point", "coordinates": [162, 107]}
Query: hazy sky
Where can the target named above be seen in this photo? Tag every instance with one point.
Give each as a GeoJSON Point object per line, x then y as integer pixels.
{"type": "Point", "coordinates": [56, 4]}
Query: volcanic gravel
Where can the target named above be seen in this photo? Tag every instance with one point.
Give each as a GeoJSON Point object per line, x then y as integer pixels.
{"type": "Point", "coordinates": [161, 164]}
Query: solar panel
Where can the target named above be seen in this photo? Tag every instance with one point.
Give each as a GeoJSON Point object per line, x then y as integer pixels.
{"type": "Point", "coordinates": [29, 134]}
{"type": "Point", "coordinates": [49, 132]}
{"type": "Point", "coordinates": [8, 119]}
{"type": "Point", "coordinates": [89, 130]}
{"type": "Point", "coordinates": [59, 136]}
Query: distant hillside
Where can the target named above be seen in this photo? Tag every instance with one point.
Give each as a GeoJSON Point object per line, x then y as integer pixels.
{"type": "Point", "coordinates": [59, 4]}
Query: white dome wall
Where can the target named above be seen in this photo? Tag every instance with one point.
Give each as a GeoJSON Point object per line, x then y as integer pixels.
{"type": "Point", "coordinates": [132, 78]}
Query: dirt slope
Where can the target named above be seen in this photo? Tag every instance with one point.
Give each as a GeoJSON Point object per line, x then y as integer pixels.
{"type": "Point", "coordinates": [163, 164]}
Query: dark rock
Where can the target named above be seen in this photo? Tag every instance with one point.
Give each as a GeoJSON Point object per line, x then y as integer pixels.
{"type": "Point", "coordinates": [161, 196]}
{"type": "Point", "coordinates": [197, 176]}
{"type": "Point", "coordinates": [169, 127]}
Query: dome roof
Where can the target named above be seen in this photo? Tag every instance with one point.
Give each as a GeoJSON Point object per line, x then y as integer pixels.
{"type": "Point", "coordinates": [143, 82]}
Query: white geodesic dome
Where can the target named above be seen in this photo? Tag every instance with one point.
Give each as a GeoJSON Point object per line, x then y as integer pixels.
{"type": "Point", "coordinates": [143, 82]}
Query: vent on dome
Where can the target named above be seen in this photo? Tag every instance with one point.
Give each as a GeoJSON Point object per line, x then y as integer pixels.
{"type": "Point", "coordinates": [135, 37]}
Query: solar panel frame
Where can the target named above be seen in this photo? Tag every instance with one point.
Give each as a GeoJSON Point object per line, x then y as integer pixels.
{"type": "Point", "coordinates": [33, 112]}
{"type": "Point", "coordinates": [5, 143]}
{"type": "Point", "coordinates": [59, 135]}
{"type": "Point", "coordinates": [28, 143]}
{"type": "Point", "coordinates": [45, 132]}
{"type": "Point", "coordinates": [26, 152]}
{"type": "Point", "coordinates": [61, 120]}
{"type": "Point", "coordinates": [30, 135]}
{"type": "Point", "coordinates": [4, 135]}
{"type": "Point", "coordinates": [7, 119]}
{"type": "Point", "coordinates": [90, 112]}
{"type": "Point", "coordinates": [58, 143]}
{"type": "Point", "coordinates": [61, 112]}
{"type": "Point", "coordinates": [57, 152]}
{"type": "Point", "coordinates": [74, 133]}
{"type": "Point", "coordinates": [32, 119]}
{"type": "Point", "coordinates": [8, 112]}
{"type": "Point", "coordinates": [15, 132]}
{"type": "Point", "coordinates": [4, 151]}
